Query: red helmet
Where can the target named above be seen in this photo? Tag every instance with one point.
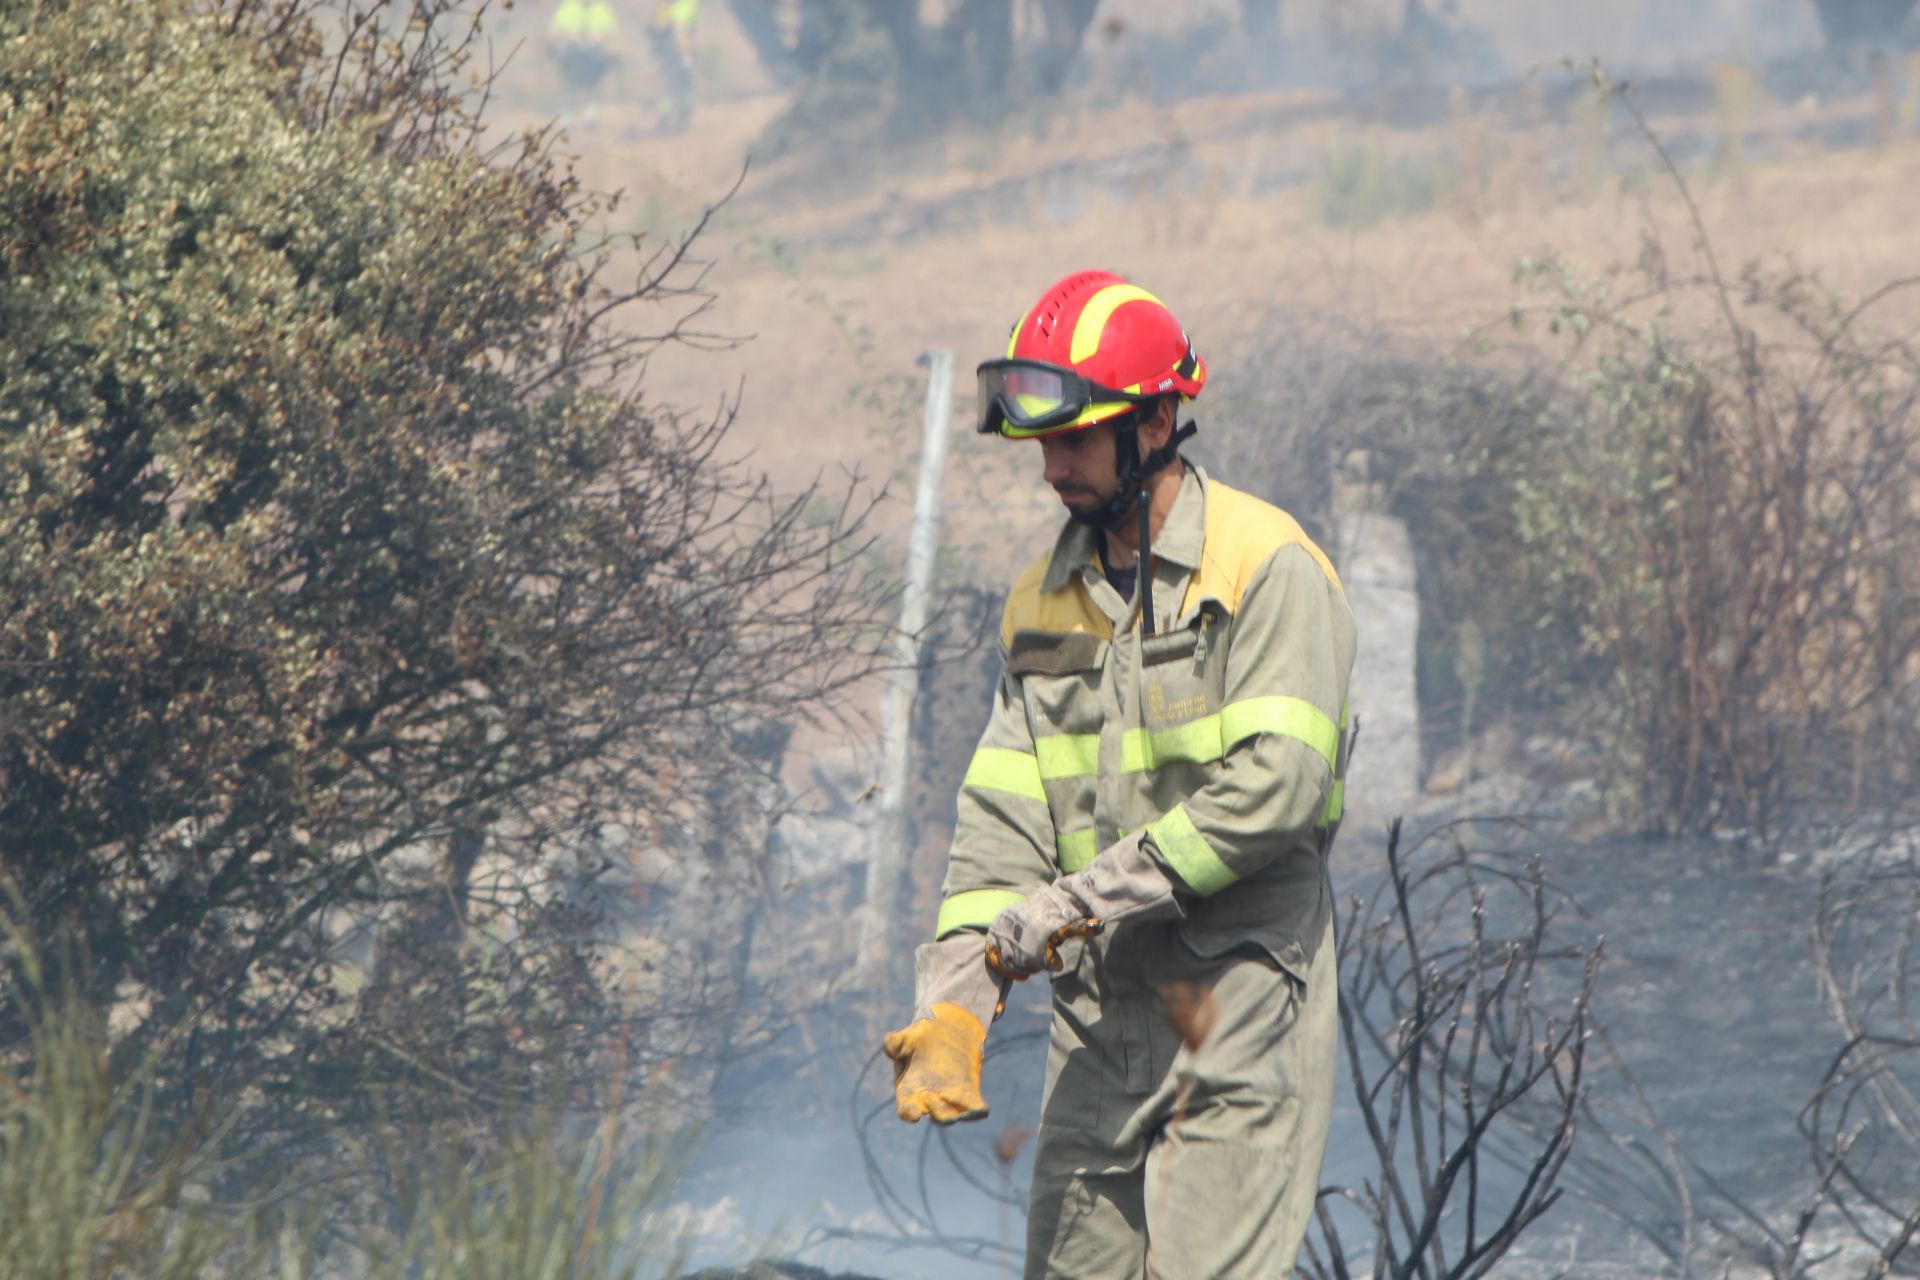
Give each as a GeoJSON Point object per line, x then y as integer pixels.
{"type": "Point", "coordinates": [1093, 348]}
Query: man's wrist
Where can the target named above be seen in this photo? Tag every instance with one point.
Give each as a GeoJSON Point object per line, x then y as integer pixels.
{"type": "Point", "coordinates": [954, 971]}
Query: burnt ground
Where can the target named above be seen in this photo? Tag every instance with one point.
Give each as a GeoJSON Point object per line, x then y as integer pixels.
{"type": "Point", "coordinates": [1708, 998]}
{"type": "Point", "coordinates": [1715, 1034]}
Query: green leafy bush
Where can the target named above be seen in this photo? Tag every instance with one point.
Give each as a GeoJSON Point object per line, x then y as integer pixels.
{"type": "Point", "coordinates": [360, 612]}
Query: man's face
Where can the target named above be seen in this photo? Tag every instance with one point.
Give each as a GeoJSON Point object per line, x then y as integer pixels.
{"type": "Point", "coordinates": [1081, 466]}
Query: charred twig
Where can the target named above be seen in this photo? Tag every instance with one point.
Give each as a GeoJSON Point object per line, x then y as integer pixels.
{"type": "Point", "coordinates": [1455, 1060]}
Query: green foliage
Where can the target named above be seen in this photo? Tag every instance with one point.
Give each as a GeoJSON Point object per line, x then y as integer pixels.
{"type": "Point", "coordinates": [543, 1203]}
{"type": "Point", "coordinates": [87, 1187]}
{"type": "Point", "coordinates": [875, 72]}
{"type": "Point", "coordinates": [852, 88]}
{"type": "Point", "coordinates": [354, 592]}
{"type": "Point", "coordinates": [94, 1183]}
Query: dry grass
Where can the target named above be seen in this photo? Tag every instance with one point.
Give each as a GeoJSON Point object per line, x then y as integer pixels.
{"type": "Point", "coordinates": [834, 322]}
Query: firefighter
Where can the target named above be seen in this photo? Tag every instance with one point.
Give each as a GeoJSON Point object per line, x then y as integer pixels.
{"type": "Point", "coordinates": [671, 36]}
{"type": "Point", "coordinates": [580, 38]}
{"type": "Point", "coordinates": [1149, 811]}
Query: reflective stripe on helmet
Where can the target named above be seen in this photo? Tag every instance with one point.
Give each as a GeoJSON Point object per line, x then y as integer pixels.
{"type": "Point", "coordinates": [1094, 316]}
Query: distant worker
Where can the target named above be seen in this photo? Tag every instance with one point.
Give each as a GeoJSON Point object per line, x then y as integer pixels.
{"type": "Point", "coordinates": [580, 38]}
{"type": "Point", "coordinates": [672, 39]}
{"type": "Point", "coordinates": [1147, 816]}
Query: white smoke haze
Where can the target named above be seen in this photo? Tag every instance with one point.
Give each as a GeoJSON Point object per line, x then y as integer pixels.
{"type": "Point", "coordinates": [1315, 200]}
{"type": "Point", "coordinates": [1479, 282]}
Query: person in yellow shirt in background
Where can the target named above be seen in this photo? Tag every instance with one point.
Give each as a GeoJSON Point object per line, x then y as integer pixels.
{"type": "Point", "coordinates": [580, 39]}
{"type": "Point", "coordinates": [672, 39]}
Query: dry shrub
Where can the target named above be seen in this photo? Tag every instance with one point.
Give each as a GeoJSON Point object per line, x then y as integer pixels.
{"type": "Point", "coordinates": [1862, 1124]}
{"type": "Point", "coordinates": [1687, 547]}
{"type": "Point", "coordinates": [1465, 1011]}
{"type": "Point", "coordinates": [1722, 513]}
{"type": "Point", "coordinates": [1441, 440]}
{"type": "Point", "coordinates": [1725, 521]}
{"type": "Point", "coordinates": [1684, 542]}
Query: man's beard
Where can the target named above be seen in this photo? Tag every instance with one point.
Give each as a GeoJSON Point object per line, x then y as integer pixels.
{"type": "Point", "coordinates": [1090, 513]}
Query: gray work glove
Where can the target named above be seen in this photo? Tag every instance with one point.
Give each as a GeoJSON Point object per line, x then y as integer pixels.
{"type": "Point", "coordinates": [1123, 884]}
{"type": "Point", "coordinates": [954, 971]}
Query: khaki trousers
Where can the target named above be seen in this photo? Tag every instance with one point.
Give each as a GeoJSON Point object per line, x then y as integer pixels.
{"type": "Point", "coordinates": [1157, 1159]}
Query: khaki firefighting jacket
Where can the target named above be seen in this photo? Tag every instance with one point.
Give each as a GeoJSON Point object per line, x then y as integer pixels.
{"type": "Point", "coordinates": [1222, 734]}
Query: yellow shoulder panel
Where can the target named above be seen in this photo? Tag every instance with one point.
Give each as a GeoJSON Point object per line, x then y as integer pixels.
{"type": "Point", "coordinates": [1242, 534]}
{"type": "Point", "coordinates": [1065, 610]}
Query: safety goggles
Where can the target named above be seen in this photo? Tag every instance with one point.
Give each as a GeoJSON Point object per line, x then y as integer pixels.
{"type": "Point", "coordinates": [1026, 398]}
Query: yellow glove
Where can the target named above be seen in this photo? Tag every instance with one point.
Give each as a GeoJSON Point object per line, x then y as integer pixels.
{"type": "Point", "coordinates": [936, 1066]}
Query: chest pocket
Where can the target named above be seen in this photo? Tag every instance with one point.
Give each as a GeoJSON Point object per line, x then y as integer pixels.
{"type": "Point", "coordinates": [1181, 687]}
{"type": "Point", "coordinates": [1060, 675]}
{"type": "Point", "coordinates": [1182, 682]}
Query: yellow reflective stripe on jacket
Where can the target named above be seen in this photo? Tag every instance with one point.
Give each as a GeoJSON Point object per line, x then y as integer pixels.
{"type": "Point", "coordinates": [1188, 852]}
{"type": "Point", "coordinates": [1209, 738]}
{"type": "Point", "coordinates": [1068, 755]}
{"type": "Point", "coordinates": [675, 13]}
{"type": "Point", "coordinates": [1277, 713]}
{"type": "Point", "coordinates": [1337, 794]}
{"type": "Point", "coordinates": [1004, 769]}
{"type": "Point", "coordinates": [1196, 740]}
{"type": "Point", "coordinates": [1336, 803]}
{"type": "Point", "coordinates": [1075, 849]}
{"type": "Point", "coordinates": [974, 909]}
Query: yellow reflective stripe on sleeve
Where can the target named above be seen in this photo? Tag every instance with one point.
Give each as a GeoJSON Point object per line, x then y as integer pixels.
{"type": "Point", "coordinates": [1336, 803]}
{"type": "Point", "coordinates": [1068, 755]}
{"type": "Point", "coordinates": [1004, 769]}
{"type": "Point", "coordinates": [974, 909]}
{"type": "Point", "coordinates": [1196, 740]}
{"type": "Point", "coordinates": [1076, 849]}
{"type": "Point", "coordinates": [1188, 852]}
{"type": "Point", "coordinates": [1293, 717]}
